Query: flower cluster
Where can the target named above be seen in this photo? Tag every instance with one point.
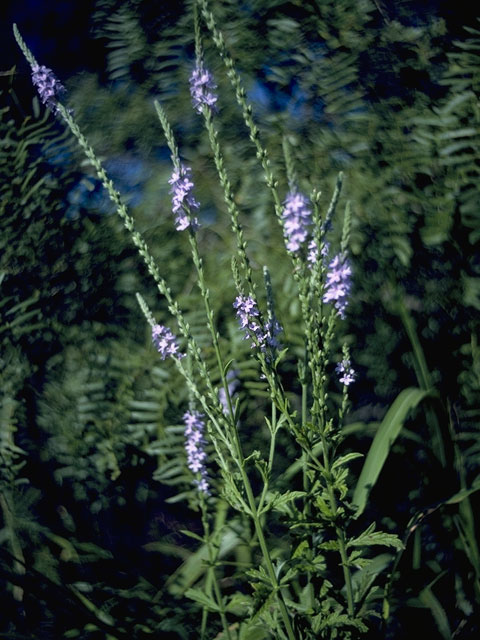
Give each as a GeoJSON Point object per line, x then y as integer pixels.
{"type": "Point", "coordinates": [313, 252]}
{"type": "Point", "coordinates": [183, 200]}
{"type": "Point", "coordinates": [194, 446]}
{"type": "Point", "coordinates": [337, 286]}
{"type": "Point", "coordinates": [165, 342]}
{"type": "Point", "coordinates": [201, 86]}
{"type": "Point", "coordinates": [297, 218]}
{"type": "Point", "coordinates": [47, 85]}
{"type": "Point", "coordinates": [345, 371]}
{"type": "Point", "coordinates": [249, 319]}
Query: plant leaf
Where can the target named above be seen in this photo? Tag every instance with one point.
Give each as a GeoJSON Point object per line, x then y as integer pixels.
{"type": "Point", "coordinates": [386, 435]}
{"type": "Point", "coordinates": [202, 598]}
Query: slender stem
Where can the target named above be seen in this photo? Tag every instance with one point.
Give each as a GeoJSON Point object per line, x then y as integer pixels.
{"type": "Point", "coordinates": [212, 577]}
{"type": "Point", "coordinates": [306, 482]}
{"type": "Point", "coordinates": [339, 532]}
{"type": "Point", "coordinates": [246, 108]}
{"type": "Point", "coordinates": [271, 454]}
{"type": "Point", "coordinates": [238, 447]}
{"type": "Point", "coordinates": [229, 200]}
{"type": "Point", "coordinates": [266, 554]}
{"type": "Point", "coordinates": [143, 250]}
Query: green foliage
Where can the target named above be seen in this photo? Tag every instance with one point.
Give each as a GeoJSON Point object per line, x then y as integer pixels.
{"type": "Point", "coordinates": [385, 436]}
{"type": "Point", "coordinates": [335, 86]}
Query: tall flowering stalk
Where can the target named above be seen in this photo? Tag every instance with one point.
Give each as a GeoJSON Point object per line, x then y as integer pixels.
{"type": "Point", "coordinates": [315, 430]}
{"type": "Point", "coordinates": [48, 86]}
{"type": "Point", "coordinates": [261, 335]}
{"type": "Point", "coordinates": [165, 342]}
{"type": "Point", "coordinates": [202, 86]}
{"type": "Point", "coordinates": [297, 218]}
{"type": "Point", "coordinates": [338, 284]}
{"type": "Point", "coordinates": [184, 203]}
{"type": "Point", "coordinates": [212, 407]}
{"type": "Point", "coordinates": [345, 372]}
{"type": "Point", "coordinates": [195, 448]}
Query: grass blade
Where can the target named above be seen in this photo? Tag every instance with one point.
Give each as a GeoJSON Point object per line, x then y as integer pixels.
{"type": "Point", "coordinates": [386, 435]}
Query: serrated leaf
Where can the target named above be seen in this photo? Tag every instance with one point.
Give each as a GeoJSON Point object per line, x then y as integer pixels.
{"type": "Point", "coordinates": [371, 537]}
{"type": "Point", "coordinates": [259, 574]}
{"type": "Point", "coordinates": [202, 598]}
{"type": "Point", "coordinates": [277, 501]}
{"type": "Point", "coordinates": [324, 508]}
{"type": "Point", "coordinates": [252, 632]}
{"type": "Point", "coordinates": [238, 604]}
{"type": "Point", "coordinates": [363, 579]}
{"type": "Point", "coordinates": [346, 459]}
{"type": "Point", "coordinates": [330, 545]}
{"type": "Point", "coordinates": [300, 550]}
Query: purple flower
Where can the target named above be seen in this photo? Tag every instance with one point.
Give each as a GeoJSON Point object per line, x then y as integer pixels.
{"type": "Point", "coordinates": [249, 319]}
{"type": "Point", "coordinates": [194, 446]}
{"type": "Point", "coordinates": [183, 201]}
{"type": "Point", "coordinates": [337, 286]}
{"type": "Point", "coordinates": [297, 218]}
{"type": "Point", "coordinates": [345, 371]}
{"type": "Point", "coordinates": [165, 342]}
{"type": "Point", "coordinates": [47, 85]}
{"type": "Point", "coordinates": [313, 251]}
{"type": "Point", "coordinates": [201, 87]}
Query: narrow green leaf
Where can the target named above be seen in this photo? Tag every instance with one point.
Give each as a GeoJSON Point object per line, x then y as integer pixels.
{"type": "Point", "coordinates": [461, 495]}
{"type": "Point", "coordinates": [386, 435]}
{"type": "Point", "coordinates": [428, 599]}
{"type": "Point", "coordinates": [346, 459]}
{"type": "Point", "coordinates": [193, 535]}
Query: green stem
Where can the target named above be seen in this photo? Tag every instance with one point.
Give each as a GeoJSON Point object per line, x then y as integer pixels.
{"type": "Point", "coordinates": [306, 482]}
{"type": "Point", "coordinates": [266, 554]}
{"type": "Point", "coordinates": [246, 108]}
{"type": "Point", "coordinates": [339, 532]}
{"type": "Point", "coordinates": [142, 247]}
{"type": "Point", "coordinates": [229, 200]}
{"type": "Point", "coordinates": [211, 576]}
{"type": "Point", "coordinates": [236, 441]}
{"type": "Point", "coordinates": [271, 453]}
{"type": "Point", "coordinates": [271, 456]}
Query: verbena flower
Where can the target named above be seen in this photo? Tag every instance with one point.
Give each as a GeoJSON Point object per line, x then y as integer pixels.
{"type": "Point", "coordinates": [47, 85]}
{"type": "Point", "coordinates": [297, 218]}
{"type": "Point", "coordinates": [338, 284]}
{"type": "Point", "coordinates": [165, 342]}
{"type": "Point", "coordinates": [194, 446]}
{"type": "Point", "coordinates": [345, 371]}
{"type": "Point", "coordinates": [313, 251]}
{"type": "Point", "coordinates": [202, 85]}
{"type": "Point", "coordinates": [249, 319]}
{"type": "Point", "coordinates": [183, 201]}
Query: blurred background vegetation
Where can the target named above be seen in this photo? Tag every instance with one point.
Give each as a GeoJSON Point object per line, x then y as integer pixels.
{"type": "Point", "coordinates": [94, 488]}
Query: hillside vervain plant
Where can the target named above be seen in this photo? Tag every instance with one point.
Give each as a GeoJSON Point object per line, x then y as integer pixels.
{"type": "Point", "coordinates": [318, 577]}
